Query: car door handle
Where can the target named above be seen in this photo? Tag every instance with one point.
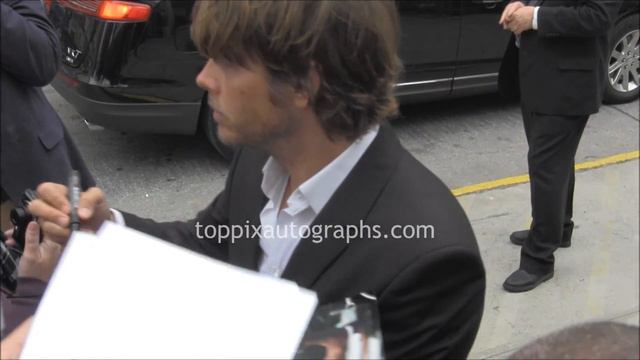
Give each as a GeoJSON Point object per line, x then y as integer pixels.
{"type": "Point", "coordinates": [489, 4]}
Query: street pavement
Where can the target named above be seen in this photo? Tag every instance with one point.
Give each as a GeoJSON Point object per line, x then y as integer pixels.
{"type": "Point", "coordinates": [595, 279]}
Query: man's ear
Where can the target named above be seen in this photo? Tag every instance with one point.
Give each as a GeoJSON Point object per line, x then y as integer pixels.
{"type": "Point", "coordinates": [305, 95]}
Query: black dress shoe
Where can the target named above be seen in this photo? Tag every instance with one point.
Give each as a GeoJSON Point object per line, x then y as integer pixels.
{"type": "Point", "coordinates": [518, 238]}
{"type": "Point", "coordinates": [521, 280]}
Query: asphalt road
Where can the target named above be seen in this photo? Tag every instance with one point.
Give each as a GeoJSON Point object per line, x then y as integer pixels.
{"type": "Point", "coordinates": [463, 141]}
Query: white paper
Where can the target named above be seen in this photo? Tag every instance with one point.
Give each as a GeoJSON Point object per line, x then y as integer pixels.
{"type": "Point", "coordinates": [125, 294]}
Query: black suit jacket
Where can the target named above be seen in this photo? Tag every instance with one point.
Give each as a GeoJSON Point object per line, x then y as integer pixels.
{"type": "Point", "coordinates": [430, 291]}
{"type": "Point", "coordinates": [561, 68]}
{"type": "Point", "coordinates": [35, 145]}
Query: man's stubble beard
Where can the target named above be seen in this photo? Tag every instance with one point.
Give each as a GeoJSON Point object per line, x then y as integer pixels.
{"type": "Point", "coordinates": [270, 135]}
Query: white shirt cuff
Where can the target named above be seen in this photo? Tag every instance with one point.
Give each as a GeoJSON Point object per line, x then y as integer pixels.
{"type": "Point", "coordinates": [117, 217]}
{"type": "Point", "coordinates": [534, 23]}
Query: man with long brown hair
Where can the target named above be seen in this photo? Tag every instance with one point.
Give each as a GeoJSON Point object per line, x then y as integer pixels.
{"type": "Point", "coordinates": [304, 90]}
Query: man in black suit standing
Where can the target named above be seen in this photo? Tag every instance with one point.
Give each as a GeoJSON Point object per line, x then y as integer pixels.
{"type": "Point", "coordinates": [557, 63]}
{"type": "Point", "coordinates": [305, 89]}
{"type": "Point", "coordinates": [35, 144]}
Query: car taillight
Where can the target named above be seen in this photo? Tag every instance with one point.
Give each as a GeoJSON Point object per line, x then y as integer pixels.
{"type": "Point", "coordinates": [113, 10]}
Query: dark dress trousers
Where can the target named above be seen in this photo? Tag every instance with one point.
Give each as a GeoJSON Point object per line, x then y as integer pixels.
{"type": "Point", "coordinates": [559, 73]}
{"type": "Point", "coordinates": [35, 144]}
{"type": "Point", "coordinates": [430, 290]}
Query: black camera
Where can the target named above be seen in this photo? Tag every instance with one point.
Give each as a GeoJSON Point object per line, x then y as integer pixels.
{"type": "Point", "coordinates": [20, 217]}
{"type": "Point", "coordinates": [10, 255]}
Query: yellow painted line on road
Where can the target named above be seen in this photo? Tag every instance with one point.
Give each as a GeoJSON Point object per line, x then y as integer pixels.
{"type": "Point", "coordinates": [489, 185]}
{"type": "Point", "coordinates": [614, 159]}
{"type": "Point", "coordinates": [521, 179]}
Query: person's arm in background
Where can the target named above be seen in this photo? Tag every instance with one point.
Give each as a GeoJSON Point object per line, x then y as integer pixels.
{"type": "Point", "coordinates": [36, 266]}
{"type": "Point", "coordinates": [30, 50]}
{"type": "Point", "coordinates": [589, 18]}
{"type": "Point", "coordinates": [12, 345]}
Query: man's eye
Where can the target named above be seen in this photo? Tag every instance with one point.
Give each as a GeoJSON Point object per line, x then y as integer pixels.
{"type": "Point", "coordinates": [223, 62]}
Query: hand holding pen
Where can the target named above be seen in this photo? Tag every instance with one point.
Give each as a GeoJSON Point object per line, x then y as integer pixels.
{"type": "Point", "coordinates": [61, 209]}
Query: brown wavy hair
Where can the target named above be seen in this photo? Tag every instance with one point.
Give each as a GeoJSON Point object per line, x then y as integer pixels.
{"type": "Point", "coordinates": [352, 44]}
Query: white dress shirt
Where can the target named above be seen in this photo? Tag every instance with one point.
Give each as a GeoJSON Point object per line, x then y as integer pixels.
{"type": "Point", "coordinates": [280, 228]}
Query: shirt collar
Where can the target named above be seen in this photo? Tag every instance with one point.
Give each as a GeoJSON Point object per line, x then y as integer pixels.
{"type": "Point", "coordinates": [318, 189]}
{"type": "Point", "coordinates": [273, 174]}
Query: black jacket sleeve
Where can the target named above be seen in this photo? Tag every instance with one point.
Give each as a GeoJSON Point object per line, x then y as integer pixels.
{"type": "Point", "coordinates": [586, 19]}
{"type": "Point", "coordinates": [432, 309]}
{"type": "Point", "coordinates": [192, 234]}
{"type": "Point", "coordinates": [30, 51]}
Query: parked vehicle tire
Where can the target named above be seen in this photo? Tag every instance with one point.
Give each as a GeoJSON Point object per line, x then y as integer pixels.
{"type": "Point", "coordinates": [624, 59]}
{"type": "Point", "coordinates": [209, 129]}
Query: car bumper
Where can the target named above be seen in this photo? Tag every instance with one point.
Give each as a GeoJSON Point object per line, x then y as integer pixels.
{"type": "Point", "coordinates": [149, 117]}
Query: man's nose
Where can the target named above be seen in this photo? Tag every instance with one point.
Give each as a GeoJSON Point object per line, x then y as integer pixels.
{"type": "Point", "coordinates": [206, 80]}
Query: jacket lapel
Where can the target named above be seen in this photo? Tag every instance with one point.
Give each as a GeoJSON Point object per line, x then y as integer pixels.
{"type": "Point", "coordinates": [247, 201]}
{"type": "Point", "coordinates": [351, 203]}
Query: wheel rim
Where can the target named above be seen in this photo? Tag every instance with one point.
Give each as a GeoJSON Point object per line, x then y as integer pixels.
{"type": "Point", "coordinates": [623, 63]}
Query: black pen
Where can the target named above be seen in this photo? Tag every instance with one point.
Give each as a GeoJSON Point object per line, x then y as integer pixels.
{"type": "Point", "coordinates": [74, 198]}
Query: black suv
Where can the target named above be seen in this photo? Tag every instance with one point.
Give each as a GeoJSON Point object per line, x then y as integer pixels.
{"type": "Point", "coordinates": [131, 65]}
